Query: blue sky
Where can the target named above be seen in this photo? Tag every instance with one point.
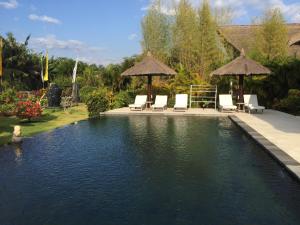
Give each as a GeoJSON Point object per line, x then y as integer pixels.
{"type": "Point", "coordinates": [105, 31]}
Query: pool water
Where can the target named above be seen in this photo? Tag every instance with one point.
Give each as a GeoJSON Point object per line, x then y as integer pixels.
{"type": "Point", "coordinates": [144, 170]}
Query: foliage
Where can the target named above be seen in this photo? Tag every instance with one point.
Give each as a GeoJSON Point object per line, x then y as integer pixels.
{"type": "Point", "coordinates": [156, 32]}
{"type": "Point", "coordinates": [291, 103]}
{"type": "Point", "coordinates": [20, 65]}
{"type": "Point", "coordinates": [91, 76]}
{"type": "Point", "coordinates": [122, 99]}
{"type": "Point", "coordinates": [28, 110]}
{"type": "Point", "coordinates": [44, 102]}
{"type": "Point", "coordinates": [185, 35]}
{"type": "Point", "coordinates": [8, 102]}
{"type": "Point", "coordinates": [7, 109]}
{"type": "Point", "coordinates": [211, 49]}
{"type": "Point", "coordinates": [85, 92]}
{"type": "Point", "coordinates": [97, 102]}
{"type": "Point", "coordinates": [189, 38]}
{"type": "Point", "coordinates": [8, 96]}
{"type": "Point", "coordinates": [271, 38]}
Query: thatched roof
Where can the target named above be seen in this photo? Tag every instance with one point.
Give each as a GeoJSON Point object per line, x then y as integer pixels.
{"type": "Point", "coordinates": [243, 36]}
{"type": "Point", "coordinates": [149, 66]}
{"type": "Point", "coordinates": [242, 66]}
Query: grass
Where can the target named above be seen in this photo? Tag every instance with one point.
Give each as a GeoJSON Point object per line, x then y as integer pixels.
{"type": "Point", "coordinates": [51, 119]}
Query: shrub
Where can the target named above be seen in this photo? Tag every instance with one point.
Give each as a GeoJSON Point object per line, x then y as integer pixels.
{"type": "Point", "coordinates": [8, 102]}
{"type": "Point", "coordinates": [7, 109]}
{"type": "Point", "coordinates": [44, 102]}
{"type": "Point", "coordinates": [28, 110]}
{"type": "Point", "coordinates": [122, 99]}
{"type": "Point", "coordinates": [85, 92]}
{"type": "Point", "coordinates": [291, 104]}
{"type": "Point", "coordinates": [8, 96]}
{"type": "Point", "coordinates": [97, 102]}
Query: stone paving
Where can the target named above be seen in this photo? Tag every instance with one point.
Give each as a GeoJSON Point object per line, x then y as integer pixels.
{"type": "Point", "coordinates": [168, 112]}
{"type": "Point", "coordinates": [277, 132]}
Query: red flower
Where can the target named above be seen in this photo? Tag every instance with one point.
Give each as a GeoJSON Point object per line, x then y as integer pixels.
{"type": "Point", "coordinates": [28, 109]}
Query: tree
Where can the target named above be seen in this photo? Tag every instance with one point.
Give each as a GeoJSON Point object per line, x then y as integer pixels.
{"type": "Point", "coordinates": [271, 38]}
{"type": "Point", "coordinates": [155, 30]}
{"type": "Point", "coordinates": [20, 65]}
{"type": "Point", "coordinates": [185, 36]}
{"type": "Point", "coordinates": [210, 46]}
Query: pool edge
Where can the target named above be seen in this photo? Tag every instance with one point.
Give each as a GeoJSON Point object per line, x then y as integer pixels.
{"type": "Point", "coordinates": [290, 164]}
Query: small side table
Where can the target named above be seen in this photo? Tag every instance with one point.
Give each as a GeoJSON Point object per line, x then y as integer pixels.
{"type": "Point", "coordinates": [240, 107]}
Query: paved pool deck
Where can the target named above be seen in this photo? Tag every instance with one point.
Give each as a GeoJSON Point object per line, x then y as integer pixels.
{"type": "Point", "coordinates": [167, 112]}
{"type": "Point", "coordinates": [278, 133]}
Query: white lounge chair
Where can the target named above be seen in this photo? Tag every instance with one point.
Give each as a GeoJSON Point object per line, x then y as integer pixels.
{"type": "Point", "coordinates": [225, 103]}
{"type": "Point", "coordinates": [160, 102]}
{"type": "Point", "coordinates": [251, 104]}
{"type": "Point", "coordinates": [181, 102]}
{"type": "Point", "coordinates": [139, 103]}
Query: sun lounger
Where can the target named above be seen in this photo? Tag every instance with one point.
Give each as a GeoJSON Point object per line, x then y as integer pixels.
{"type": "Point", "coordinates": [225, 103]}
{"type": "Point", "coordinates": [181, 102]}
{"type": "Point", "coordinates": [251, 104]}
{"type": "Point", "coordinates": [160, 102]}
{"type": "Point", "coordinates": [139, 103]}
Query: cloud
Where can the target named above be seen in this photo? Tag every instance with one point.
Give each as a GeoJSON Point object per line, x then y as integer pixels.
{"type": "Point", "coordinates": [11, 4]}
{"type": "Point", "coordinates": [99, 60]}
{"type": "Point", "coordinates": [166, 8]}
{"type": "Point", "coordinates": [71, 48]}
{"type": "Point", "coordinates": [46, 19]}
{"type": "Point", "coordinates": [51, 42]}
{"type": "Point", "coordinates": [131, 37]}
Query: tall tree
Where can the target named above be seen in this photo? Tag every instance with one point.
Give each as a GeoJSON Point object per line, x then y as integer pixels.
{"type": "Point", "coordinates": [272, 37]}
{"type": "Point", "coordinates": [155, 29]}
{"type": "Point", "coordinates": [185, 36]}
{"type": "Point", "coordinates": [210, 46]}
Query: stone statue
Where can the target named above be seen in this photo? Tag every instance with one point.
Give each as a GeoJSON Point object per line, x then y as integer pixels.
{"type": "Point", "coordinates": [54, 95]}
{"type": "Point", "coordinates": [17, 135]}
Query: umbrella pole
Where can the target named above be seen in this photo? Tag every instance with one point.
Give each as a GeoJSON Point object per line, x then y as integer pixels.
{"type": "Point", "coordinates": [149, 91]}
{"type": "Point", "coordinates": [241, 89]}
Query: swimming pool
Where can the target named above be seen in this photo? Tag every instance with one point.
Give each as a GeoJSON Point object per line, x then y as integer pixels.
{"type": "Point", "coordinates": [145, 170]}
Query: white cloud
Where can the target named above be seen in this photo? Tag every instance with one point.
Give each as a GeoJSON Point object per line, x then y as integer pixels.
{"type": "Point", "coordinates": [166, 8]}
{"type": "Point", "coordinates": [70, 48]}
{"type": "Point", "coordinates": [131, 37]}
{"type": "Point", "coordinates": [11, 4]}
{"type": "Point", "coordinates": [51, 42]}
{"type": "Point", "coordinates": [46, 19]}
{"type": "Point", "coordinates": [99, 60]}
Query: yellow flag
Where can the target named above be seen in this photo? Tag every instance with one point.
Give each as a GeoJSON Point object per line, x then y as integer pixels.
{"type": "Point", "coordinates": [1, 46]}
{"type": "Point", "coordinates": [46, 68]}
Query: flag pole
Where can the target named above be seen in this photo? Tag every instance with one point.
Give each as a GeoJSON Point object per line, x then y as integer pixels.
{"type": "Point", "coordinates": [42, 70]}
{"type": "Point", "coordinates": [74, 84]}
{"type": "Point", "coordinates": [46, 75]}
{"type": "Point", "coordinates": [1, 63]}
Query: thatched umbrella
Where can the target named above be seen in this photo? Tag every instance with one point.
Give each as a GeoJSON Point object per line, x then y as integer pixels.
{"type": "Point", "coordinates": [149, 67]}
{"type": "Point", "coordinates": [241, 66]}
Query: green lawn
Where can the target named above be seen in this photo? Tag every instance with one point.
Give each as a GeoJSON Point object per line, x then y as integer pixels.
{"type": "Point", "coordinates": [50, 120]}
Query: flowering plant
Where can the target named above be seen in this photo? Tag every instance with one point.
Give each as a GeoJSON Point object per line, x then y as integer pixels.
{"type": "Point", "coordinates": [28, 109]}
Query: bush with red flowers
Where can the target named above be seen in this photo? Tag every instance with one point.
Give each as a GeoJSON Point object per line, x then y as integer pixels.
{"type": "Point", "coordinates": [28, 110]}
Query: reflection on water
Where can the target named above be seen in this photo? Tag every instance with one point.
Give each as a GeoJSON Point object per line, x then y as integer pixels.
{"type": "Point", "coordinates": [18, 152]}
{"type": "Point", "coordinates": [145, 170]}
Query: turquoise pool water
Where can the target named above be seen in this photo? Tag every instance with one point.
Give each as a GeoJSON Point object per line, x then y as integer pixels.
{"type": "Point", "coordinates": [145, 170]}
